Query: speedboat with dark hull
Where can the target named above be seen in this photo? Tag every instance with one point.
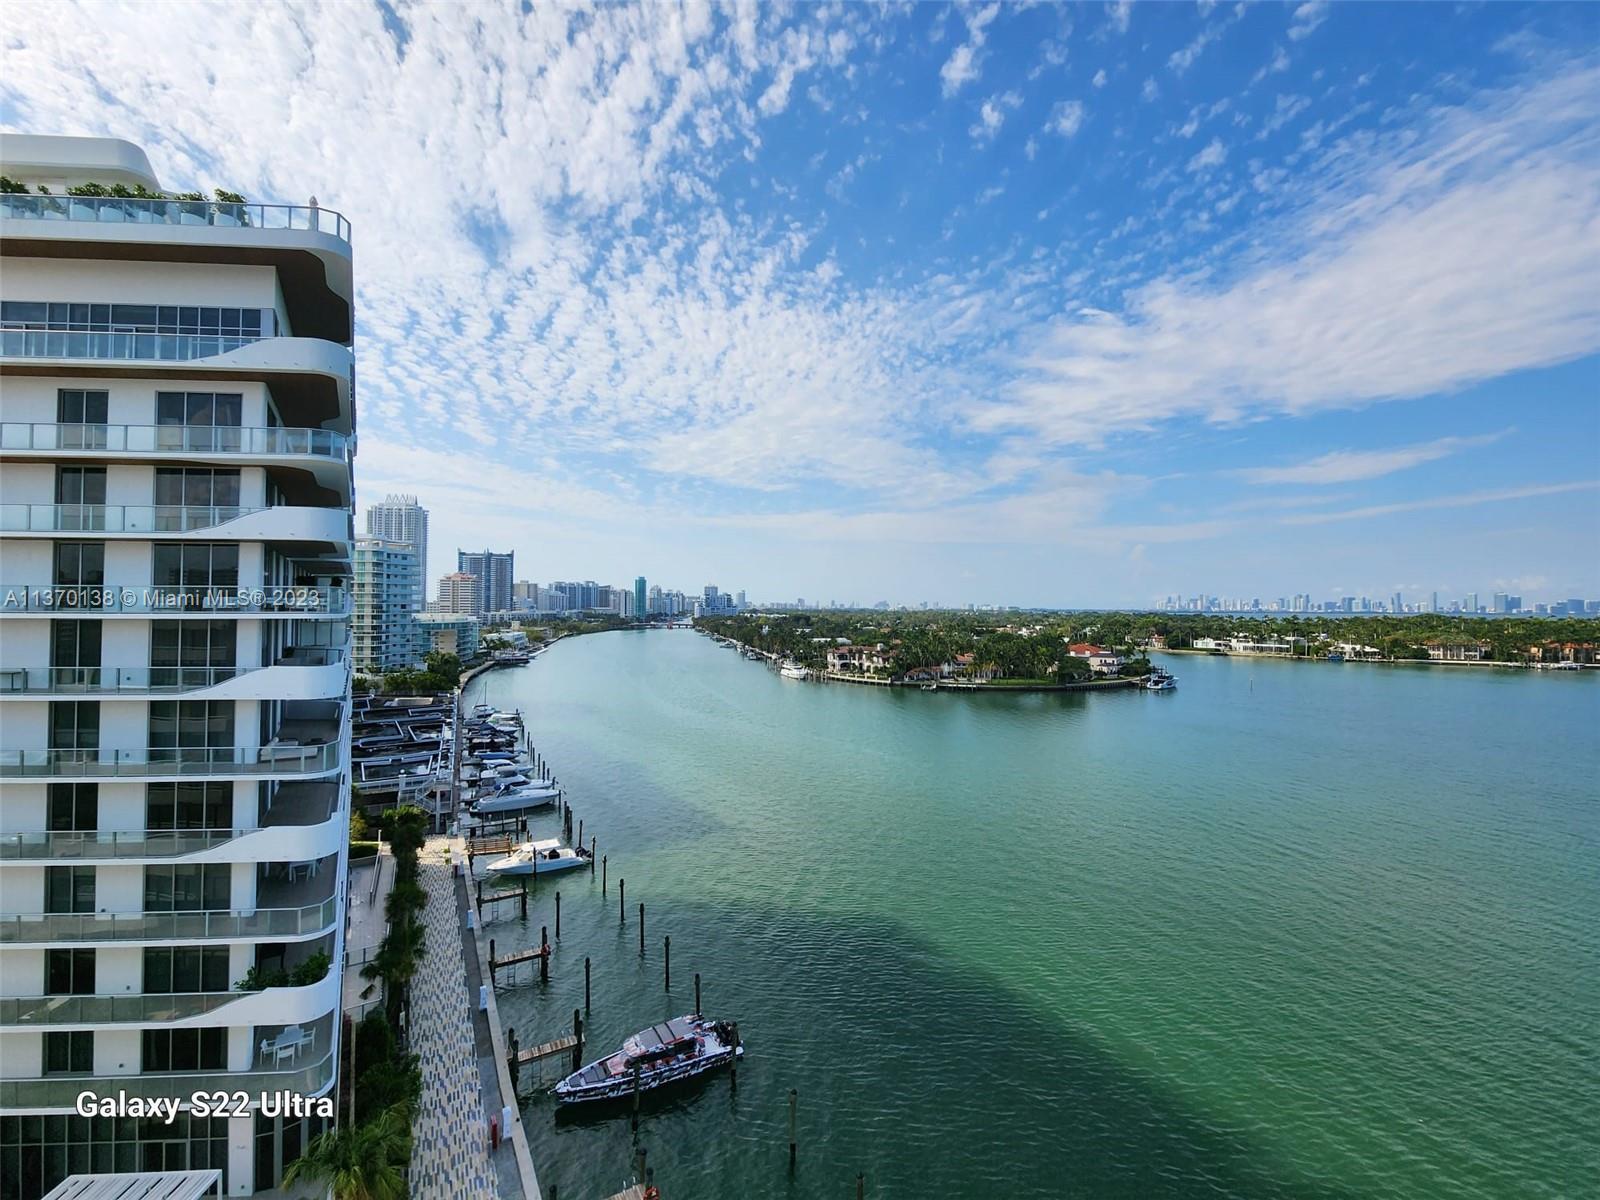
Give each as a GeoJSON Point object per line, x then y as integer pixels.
{"type": "Point", "coordinates": [663, 1054]}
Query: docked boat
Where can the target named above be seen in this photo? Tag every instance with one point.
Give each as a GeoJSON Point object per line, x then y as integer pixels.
{"type": "Point", "coordinates": [662, 1054]}
{"type": "Point", "coordinates": [1335, 657]}
{"type": "Point", "coordinates": [539, 858]}
{"type": "Point", "coordinates": [516, 800]}
{"type": "Point", "coordinates": [793, 670]}
{"type": "Point", "coordinates": [1160, 681]}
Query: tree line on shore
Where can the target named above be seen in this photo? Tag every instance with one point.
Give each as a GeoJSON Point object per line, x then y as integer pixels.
{"type": "Point", "coordinates": [1031, 645]}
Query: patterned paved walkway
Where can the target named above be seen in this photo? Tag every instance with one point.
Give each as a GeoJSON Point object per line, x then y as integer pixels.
{"type": "Point", "coordinates": [450, 1158]}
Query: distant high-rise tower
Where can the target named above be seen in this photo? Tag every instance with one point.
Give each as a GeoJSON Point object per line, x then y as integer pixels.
{"type": "Point", "coordinates": [460, 592]}
{"type": "Point", "coordinates": [641, 604]}
{"type": "Point", "coordinates": [402, 519]}
{"type": "Point", "coordinates": [494, 572]}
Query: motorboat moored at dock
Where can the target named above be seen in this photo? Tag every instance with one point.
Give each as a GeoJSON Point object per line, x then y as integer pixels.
{"type": "Point", "coordinates": [539, 858]}
{"type": "Point", "coordinates": [1160, 681]}
{"type": "Point", "coordinates": [793, 670]}
{"type": "Point", "coordinates": [662, 1054]}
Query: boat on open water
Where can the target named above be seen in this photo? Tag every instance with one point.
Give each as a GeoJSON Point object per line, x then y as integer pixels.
{"type": "Point", "coordinates": [662, 1054]}
{"type": "Point", "coordinates": [1160, 681]}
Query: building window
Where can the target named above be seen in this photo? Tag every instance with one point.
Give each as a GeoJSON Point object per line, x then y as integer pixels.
{"type": "Point", "coordinates": [74, 724]}
{"type": "Point", "coordinates": [209, 409]}
{"type": "Point", "coordinates": [187, 887]}
{"type": "Point", "coordinates": [134, 318]}
{"type": "Point", "coordinates": [81, 564]}
{"type": "Point", "coordinates": [80, 485]}
{"type": "Point", "coordinates": [74, 807]}
{"type": "Point", "coordinates": [69, 889]}
{"type": "Point", "coordinates": [69, 972]}
{"type": "Point", "coordinates": [68, 1053]}
{"type": "Point", "coordinates": [189, 805]}
{"type": "Point", "coordinates": [84, 415]}
{"type": "Point", "coordinates": [74, 643]}
{"type": "Point", "coordinates": [192, 653]}
{"type": "Point", "coordinates": [185, 969]}
{"type": "Point", "coordinates": [207, 487]}
{"type": "Point", "coordinates": [184, 1050]}
{"type": "Point", "coordinates": [195, 565]}
{"type": "Point", "coordinates": [179, 725]}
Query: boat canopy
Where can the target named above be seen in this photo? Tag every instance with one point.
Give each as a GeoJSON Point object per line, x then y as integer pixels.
{"type": "Point", "coordinates": [648, 1041]}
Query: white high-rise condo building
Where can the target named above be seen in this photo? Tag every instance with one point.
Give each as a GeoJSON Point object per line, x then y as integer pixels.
{"type": "Point", "coordinates": [176, 432]}
{"type": "Point", "coordinates": [402, 519]}
{"type": "Point", "coordinates": [384, 631]}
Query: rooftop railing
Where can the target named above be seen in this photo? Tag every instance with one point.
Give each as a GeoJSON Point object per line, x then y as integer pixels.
{"type": "Point", "coordinates": [209, 925]}
{"type": "Point", "coordinates": [217, 214]}
{"type": "Point", "coordinates": [161, 761]}
{"type": "Point", "coordinates": [97, 599]}
{"type": "Point", "coordinates": [62, 1091]}
{"type": "Point", "coordinates": [176, 439]}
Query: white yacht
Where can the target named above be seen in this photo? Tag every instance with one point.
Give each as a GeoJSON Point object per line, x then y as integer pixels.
{"type": "Point", "coordinates": [793, 670]}
{"type": "Point", "coordinates": [539, 858]}
{"type": "Point", "coordinates": [673, 1050]}
{"type": "Point", "coordinates": [516, 800]}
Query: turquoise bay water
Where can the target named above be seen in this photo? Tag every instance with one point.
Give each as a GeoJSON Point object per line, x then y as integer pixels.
{"type": "Point", "coordinates": [1292, 930]}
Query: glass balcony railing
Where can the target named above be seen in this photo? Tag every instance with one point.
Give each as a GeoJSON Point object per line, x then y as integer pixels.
{"type": "Point", "coordinates": [85, 1010]}
{"type": "Point", "coordinates": [97, 599]}
{"type": "Point", "coordinates": [220, 761]}
{"type": "Point", "coordinates": [145, 680]}
{"type": "Point", "coordinates": [176, 439]}
{"type": "Point", "coordinates": [122, 347]}
{"type": "Point", "coordinates": [61, 1091]}
{"type": "Point", "coordinates": [215, 925]}
{"type": "Point", "coordinates": [215, 213]}
{"type": "Point", "coordinates": [117, 518]}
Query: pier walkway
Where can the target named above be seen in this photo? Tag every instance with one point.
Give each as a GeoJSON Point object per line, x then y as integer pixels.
{"type": "Point", "coordinates": [450, 1158]}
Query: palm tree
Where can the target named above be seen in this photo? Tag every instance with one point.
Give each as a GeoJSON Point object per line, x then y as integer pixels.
{"type": "Point", "coordinates": [364, 1163]}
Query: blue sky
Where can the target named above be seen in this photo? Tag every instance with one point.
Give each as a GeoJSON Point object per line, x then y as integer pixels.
{"type": "Point", "coordinates": [1056, 305]}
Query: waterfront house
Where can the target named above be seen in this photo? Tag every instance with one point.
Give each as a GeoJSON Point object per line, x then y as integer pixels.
{"type": "Point", "coordinates": [1101, 660]}
{"type": "Point", "coordinates": [1574, 652]}
{"type": "Point", "coordinates": [858, 660]}
{"type": "Point", "coordinates": [1442, 651]}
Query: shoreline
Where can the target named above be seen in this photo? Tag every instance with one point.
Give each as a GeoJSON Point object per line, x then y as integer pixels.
{"type": "Point", "coordinates": [1378, 662]}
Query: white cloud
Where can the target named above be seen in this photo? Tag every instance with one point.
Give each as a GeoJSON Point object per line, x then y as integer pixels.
{"type": "Point", "coordinates": [1463, 500]}
{"type": "Point", "coordinates": [1211, 156]}
{"type": "Point", "coordinates": [992, 115]}
{"type": "Point", "coordinates": [1066, 118]}
{"type": "Point", "coordinates": [1150, 91]}
{"type": "Point", "coordinates": [962, 67]}
{"type": "Point", "coordinates": [1285, 109]}
{"type": "Point", "coordinates": [1099, 79]}
{"type": "Point", "coordinates": [1119, 15]}
{"type": "Point", "coordinates": [1306, 18]}
{"type": "Point", "coordinates": [1348, 466]}
{"type": "Point", "coordinates": [1429, 266]}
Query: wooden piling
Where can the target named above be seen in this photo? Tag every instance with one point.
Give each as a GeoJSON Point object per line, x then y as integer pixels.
{"type": "Point", "coordinates": [592, 848]}
{"type": "Point", "coordinates": [580, 831]}
{"type": "Point", "coordinates": [794, 1104]}
{"type": "Point", "coordinates": [544, 959]}
{"type": "Point", "coordinates": [861, 1185]}
{"type": "Point", "coordinates": [603, 874]}
{"type": "Point", "coordinates": [641, 929]}
{"type": "Point", "coordinates": [577, 1032]}
{"type": "Point", "coordinates": [666, 962]}
{"type": "Point", "coordinates": [622, 902]}
{"type": "Point", "coordinates": [524, 899]}
{"type": "Point", "coordinates": [558, 916]}
{"type": "Point", "coordinates": [697, 993]}
{"type": "Point", "coordinates": [585, 984]}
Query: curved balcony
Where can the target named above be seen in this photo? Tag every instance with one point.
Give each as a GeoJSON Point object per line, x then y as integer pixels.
{"type": "Point", "coordinates": [98, 600]}
{"type": "Point", "coordinates": [303, 822]}
{"type": "Point", "coordinates": [310, 247]}
{"type": "Point", "coordinates": [310, 378]}
{"type": "Point", "coordinates": [310, 674]}
{"type": "Point", "coordinates": [220, 925]}
{"type": "Point", "coordinates": [227, 522]}
{"type": "Point", "coordinates": [181, 1010]}
{"type": "Point", "coordinates": [188, 441]}
{"type": "Point", "coordinates": [60, 1092]}
{"type": "Point", "coordinates": [154, 763]}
